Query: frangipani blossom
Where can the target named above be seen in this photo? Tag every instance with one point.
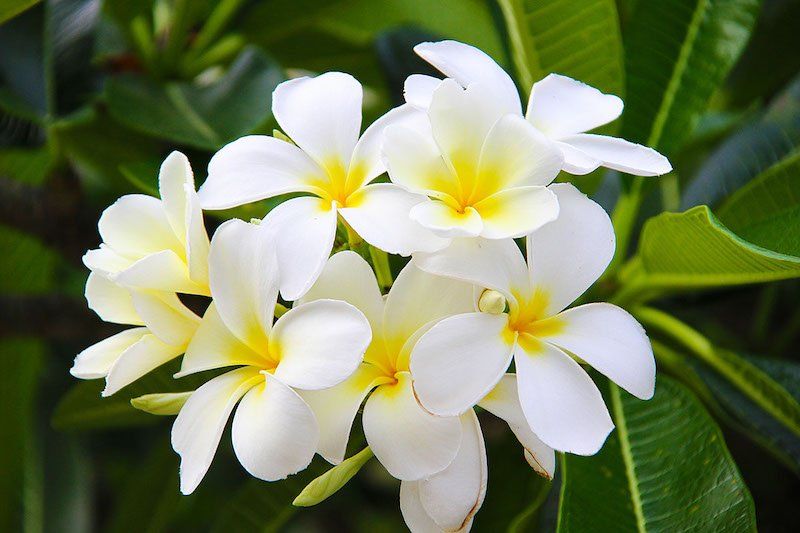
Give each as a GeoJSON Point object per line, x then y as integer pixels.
{"type": "Point", "coordinates": [167, 328]}
{"type": "Point", "coordinates": [561, 108]}
{"type": "Point", "coordinates": [486, 170]}
{"type": "Point", "coordinates": [328, 160]}
{"type": "Point", "coordinates": [448, 500]}
{"type": "Point", "coordinates": [156, 244]}
{"type": "Point", "coordinates": [408, 441]}
{"type": "Point", "coordinates": [313, 346]}
{"type": "Point", "coordinates": [460, 359]}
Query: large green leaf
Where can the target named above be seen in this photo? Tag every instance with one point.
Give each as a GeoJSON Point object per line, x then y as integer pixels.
{"type": "Point", "coordinates": [665, 468]}
{"type": "Point", "coordinates": [677, 53]}
{"type": "Point", "coordinates": [577, 38]}
{"type": "Point", "coordinates": [767, 210]}
{"type": "Point", "coordinates": [202, 116]}
{"type": "Point", "coordinates": [693, 250]}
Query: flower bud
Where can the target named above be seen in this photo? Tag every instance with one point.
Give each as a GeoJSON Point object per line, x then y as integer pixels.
{"type": "Point", "coordinates": [492, 302]}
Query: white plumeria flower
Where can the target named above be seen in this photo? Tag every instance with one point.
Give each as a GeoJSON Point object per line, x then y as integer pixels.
{"type": "Point", "coordinates": [561, 108]}
{"type": "Point", "coordinates": [448, 500]}
{"type": "Point", "coordinates": [156, 244]}
{"type": "Point", "coordinates": [123, 358]}
{"type": "Point", "coordinates": [322, 115]}
{"type": "Point", "coordinates": [459, 360]}
{"type": "Point", "coordinates": [486, 170]}
{"type": "Point", "coordinates": [313, 346]}
{"type": "Point", "coordinates": [408, 441]}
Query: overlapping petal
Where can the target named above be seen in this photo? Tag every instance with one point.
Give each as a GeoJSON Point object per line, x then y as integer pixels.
{"type": "Point", "coordinates": [459, 360]}
{"type": "Point", "coordinates": [408, 441]}
{"type": "Point", "coordinates": [96, 360]}
{"type": "Point", "coordinates": [111, 302]}
{"type": "Point", "coordinates": [147, 354]}
{"type": "Point", "coordinates": [446, 221]}
{"type": "Point", "coordinates": [619, 154]}
{"type": "Point", "coordinates": [514, 213]}
{"type": "Point", "coordinates": [274, 431]}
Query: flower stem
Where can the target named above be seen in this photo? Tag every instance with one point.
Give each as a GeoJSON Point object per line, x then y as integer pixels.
{"type": "Point", "coordinates": [380, 262]}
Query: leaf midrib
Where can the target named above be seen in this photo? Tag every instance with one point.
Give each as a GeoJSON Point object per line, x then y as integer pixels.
{"type": "Point", "coordinates": [627, 458]}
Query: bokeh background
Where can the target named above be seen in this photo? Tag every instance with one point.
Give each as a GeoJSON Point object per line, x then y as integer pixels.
{"type": "Point", "coordinates": [94, 94]}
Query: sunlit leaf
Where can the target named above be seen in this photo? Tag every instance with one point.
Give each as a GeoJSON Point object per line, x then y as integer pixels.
{"type": "Point", "coordinates": [664, 468]}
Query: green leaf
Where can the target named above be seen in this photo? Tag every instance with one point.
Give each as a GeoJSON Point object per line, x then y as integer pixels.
{"type": "Point", "coordinates": [693, 250]}
{"type": "Point", "coordinates": [331, 481]}
{"type": "Point", "coordinates": [205, 117]}
{"type": "Point", "coordinates": [82, 408]}
{"type": "Point", "coordinates": [12, 8]}
{"type": "Point", "coordinates": [98, 147]}
{"type": "Point", "coordinates": [767, 210]}
{"type": "Point", "coordinates": [665, 468]}
{"type": "Point", "coordinates": [577, 38]}
{"type": "Point", "coordinates": [677, 53]}
{"type": "Point", "coordinates": [161, 403]}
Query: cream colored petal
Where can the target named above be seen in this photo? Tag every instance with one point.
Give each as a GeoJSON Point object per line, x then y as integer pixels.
{"type": "Point", "coordinates": [111, 302]}
{"type": "Point", "coordinates": [274, 432]}
{"type": "Point", "coordinates": [161, 271]}
{"type": "Point", "coordinates": [244, 280]}
{"type": "Point", "coordinates": [142, 357]}
{"type": "Point", "coordinates": [215, 346]}
{"type": "Point", "coordinates": [165, 316]}
{"type": "Point", "coordinates": [136, 225]}
{"type": "Point", "coordinates": [444, 221]}
{"type": "Point", "coordinates": [96, 360]}
{"type": "Point", "coordinates": [200, 423]}
{"type": "Point", "coordinates": [418, 90]}
{"type": "Point", "coordinates": [619, 154]}
{"type": "Point", "coordinates": [336, 408]}
{"type": "Point", "coordinates": [514, 213]}
{"type": "Point", "coordinates": [408, 441]}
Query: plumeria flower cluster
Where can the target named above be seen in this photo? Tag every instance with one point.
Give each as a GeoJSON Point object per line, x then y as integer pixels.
{"type": "Point", "coordinates": [297, 338]}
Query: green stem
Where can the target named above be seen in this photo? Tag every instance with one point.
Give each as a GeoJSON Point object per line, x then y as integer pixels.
{"type": "Point", "coordinates": [280, 310]}
{"type": "Point", "coordinates": [380, 262]}
{"type": "Point", "coordinates": [624, 219]}
{"type": "Point", "coordinates": [223, 50]}
{"type": "Point", "coordinates": [216, 23]}
{"type": "Point", "coordinates": [179, 28]}
{"type": "Point", "coordinates": [683, 333]}
{"type": "Point", "coordinates": [143, 41]}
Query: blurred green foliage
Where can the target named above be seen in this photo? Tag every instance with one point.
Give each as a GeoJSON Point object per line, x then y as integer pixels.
{"type": "Point", "coordinates": [94, 94]}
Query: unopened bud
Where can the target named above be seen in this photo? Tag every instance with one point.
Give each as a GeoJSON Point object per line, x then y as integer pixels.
{"type": "Point", "coordinates": [492, 302]}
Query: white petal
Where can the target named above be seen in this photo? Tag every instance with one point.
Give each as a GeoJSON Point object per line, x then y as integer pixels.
{"type": "Point", "coordinates": [418, 298]}
{"type": "Point", "coordinates": [106, 261]}
{"type": "Point", "coordinates": [336, 408]}
{"type": "Point", "coordinates": [322, 115]}
{"type": "Point", "coordinates": [348, 277]}
{"type": "Point", "coordinates": [96, 360]}
{"type": "Point", "coordinates": [379, 213]}
{"type": "Point", "coordinates": [445, 221]}
{"type": "Point", "coordinates": [175, 173]}
{"type": "Point", "coordinates": [453, 496]}
{"type": "Point", "coordinates": [567, 255]}
{"type": "Point", "coordinates": [415, 163]}
{"type": "Point", "coordinates": [367, 163]}
{"type": "Point", "coordinates": [416, 517]}
{"type": "Point", "coordinates": [493, 264]}
{"type": "Point", "coordinates": [274, 431]}
{"type": "Point", "coordinates": [136, 225]}
{"type": "Point", "coordinates": [418, 90]}
{"type": "Point", "coordinates": [215, 346]}
{"type": "Point", "coordinates": [201, 421]}
{"type": "Point", "coordinates": [560, 106]}
{"type": "Point", "coordinates": [460, 121]}
{"type": "Point", "coordinates": [612, 341]}
{"type": "Point", "coordinates": [466, 64]}
{"type": "Point", "coordinates": [160, 271]}
{"type": "Point", "coordinates": [503, 402]}
{"type": "Point", "coordinates": [516, 212]}
{"type": "Point", "coordinates": [304, 230]}
{"type": "Point", "coordinates": [577, 162]}
{"type": "Point", "coordinates": [515, 154]}
{"type": "Point", "coordinates": [459, 360]}
{"type": "Point", "coordinates": [319, 344]}
{"type": "Point", "coordinates": [256, 167]}
{"type": "Point", "coordinates": [244, 280]}
{"type": "Point", "coordinates": [408, 441]}
{"type": "Point", "coordinates": [560, 401]}
{"type": "Point", "coordinates": [111, 302]}
{"type": "Point", "coordinates": [619, 154]}
{"type": "Point", "coordinates": [165, 316]}
{"type": "Point", "coordinates": [142, 357]}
